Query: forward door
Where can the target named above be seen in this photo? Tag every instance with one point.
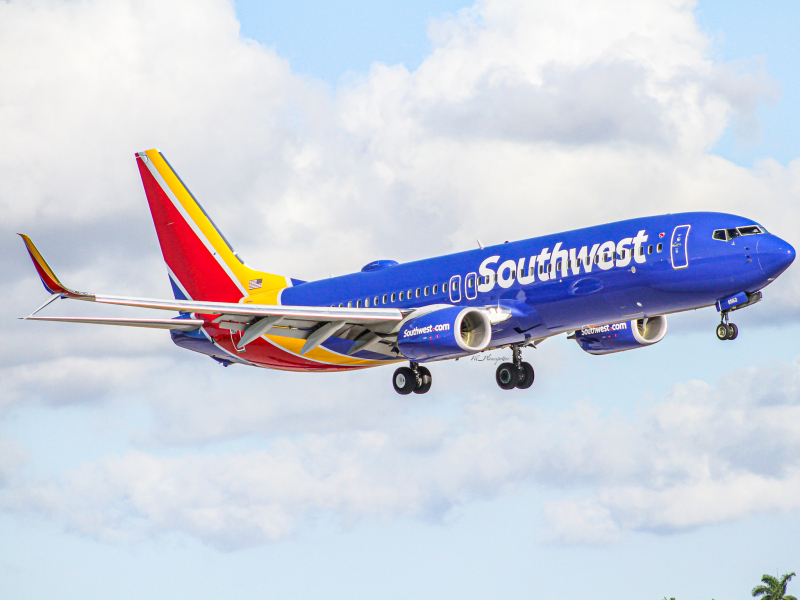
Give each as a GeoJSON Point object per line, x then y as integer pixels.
{"type": "Point", "coordinates": [679, 250]}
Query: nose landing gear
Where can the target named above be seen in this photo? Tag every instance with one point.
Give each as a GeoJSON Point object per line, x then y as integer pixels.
{"type": "Point", "coordinates": [725, 330]}
{"type": "Point", "coordinates": [517, 374]}
{"type": "Point", "coordinates": [729, 331]}
{"type": "Point", "coordinates": [412, 379]}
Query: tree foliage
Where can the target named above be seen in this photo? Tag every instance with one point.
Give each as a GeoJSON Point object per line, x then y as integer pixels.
{"type": "Point", "coordinates": [772, 588]}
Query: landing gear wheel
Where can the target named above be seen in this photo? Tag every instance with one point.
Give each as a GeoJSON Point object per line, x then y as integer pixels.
{"type": "Point", "coordinates": [404, 381]}
{"type": "Point", "coordinates": [525, 376]}
{"type": "Point", "coordinates": [733, 331]}
{"type": "Point", "coordinates": [425, 381]}
{"type": "Point", "coordinates": [507, 376]}
{"type": "Point", "coordinates": [722, 331]}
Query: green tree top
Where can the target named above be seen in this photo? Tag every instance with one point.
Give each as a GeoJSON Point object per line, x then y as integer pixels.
{"type": "Point", "coordinates": [773, 589]}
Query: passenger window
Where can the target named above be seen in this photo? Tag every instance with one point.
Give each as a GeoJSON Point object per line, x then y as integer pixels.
{"type": "Point", "coordinates": [350, 304]}
{"type": "Point", "coordinates": [385, 298]}
{"type": "Point", "coordinates": [541, 268]}
{"type": "Point", "coordinates": [394, 297]}
{"type": "Point", "coordinates": [455, 285]}
{"type": "Point", "coordinates": [435, 289]}
{"type": "Point", "coordinates": [340, 304]}
{"type": "Point", "coordinates": [444, 288]}
{"type": "Point", "coordinates": [749, 230]}
{"type": "Point", "coordinates": [358, 303]}
{"type": "Point", "coordinates": [659, 248]}
{"type": "Point", "coordinates": [596, 258]}
{"type": "Point", "coordinates": [650, 249]}
{"type": "Point", "coordinates": [416, 295]}
{"type": "Point", "coordinates": [366, 303]}
{"type": "Point", "coordinates": [427, 290]}
{"type": "Point", "coordinates": [375, 303]}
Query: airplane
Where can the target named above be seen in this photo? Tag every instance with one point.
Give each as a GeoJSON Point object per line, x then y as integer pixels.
{"type": "Point", "coordinates": [609, 287]}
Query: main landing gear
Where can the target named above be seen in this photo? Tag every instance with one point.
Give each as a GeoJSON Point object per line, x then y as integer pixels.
{"type": "Point", "coordinates": [412, 379]}
{"type": "Point", "coordinates": [725, 330]}
{"type": "Point", "coordinates": [515, 374]}
{"type": "Point", "coordinates": [510, 375]}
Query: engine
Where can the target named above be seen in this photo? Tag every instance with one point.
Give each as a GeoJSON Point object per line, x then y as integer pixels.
{"type": "Point", "coordinates": [444, 332]}
{"type": "Point", "coordinates": [626, 335]}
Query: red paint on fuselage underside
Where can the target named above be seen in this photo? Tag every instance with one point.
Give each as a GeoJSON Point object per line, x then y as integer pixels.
{"type": "Point", "coordinates": [194, 266]}
{"type": "Point", "coordinates": [266, 354]}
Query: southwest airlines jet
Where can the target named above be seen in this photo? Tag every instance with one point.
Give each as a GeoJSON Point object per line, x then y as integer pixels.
{"type": "Point", "coordinates": [608, 287]}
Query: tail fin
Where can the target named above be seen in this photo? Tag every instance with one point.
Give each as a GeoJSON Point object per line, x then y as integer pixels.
{"type": "Point", "coordinates": [202, 265]}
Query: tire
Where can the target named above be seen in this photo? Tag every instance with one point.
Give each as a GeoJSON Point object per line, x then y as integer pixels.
{"type": "Point", "coordinates": [733, 331]}
{"type": "Point", "coordinates": [507, 376]}
{"type": "Point", "coordinates": [525, 377]}
{"type": "Point", "coordinates": [722, 331]}
{"type": "Point", "coordinates": [427, 380]}
{"type": "Point", "coordinates": [404, 381]}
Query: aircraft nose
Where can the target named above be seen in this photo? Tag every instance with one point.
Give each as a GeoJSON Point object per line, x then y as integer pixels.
{"type": "Point", "coordinates": [774, 255]}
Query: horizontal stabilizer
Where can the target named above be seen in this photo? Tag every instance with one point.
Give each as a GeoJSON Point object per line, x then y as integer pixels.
{"type": "Point", "coordinates": [179, 324]}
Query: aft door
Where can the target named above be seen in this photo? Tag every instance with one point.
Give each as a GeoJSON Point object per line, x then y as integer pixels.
{"type": "Point", "coordinates": [679, 249]}
{"type": "Point", "coordinates": [455, 288]}
{"type": "Point", "coordinates": [471, 286]}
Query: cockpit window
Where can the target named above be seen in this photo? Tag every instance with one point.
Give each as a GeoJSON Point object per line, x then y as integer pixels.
{"type": "Point", "coordinates": [750, 230]}
{"type": "Point", "coordinates": [729, 234]}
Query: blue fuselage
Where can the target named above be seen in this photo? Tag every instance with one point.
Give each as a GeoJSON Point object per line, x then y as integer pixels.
{"type": "Point", "coordinates": [626, 270]}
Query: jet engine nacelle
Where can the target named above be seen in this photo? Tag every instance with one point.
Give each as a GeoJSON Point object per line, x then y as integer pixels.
{"type": "Point", "coordinates": [626, 335]}
{"type": "Point", "coordinates": [444, 332]}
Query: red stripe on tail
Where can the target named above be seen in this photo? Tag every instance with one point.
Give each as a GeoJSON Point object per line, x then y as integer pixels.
{"type": "Point", "coordinates": [185, 254]}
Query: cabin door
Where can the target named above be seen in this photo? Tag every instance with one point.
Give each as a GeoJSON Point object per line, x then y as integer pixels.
{"type": "Point", "coordinates": [455, 289]}
{"type": "Point", "coordinates": [678, 247]}
{"type": "Point", "coordinates": [471, 286]}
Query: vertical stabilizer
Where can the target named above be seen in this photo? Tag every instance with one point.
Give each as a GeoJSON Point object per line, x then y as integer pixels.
{"type": "Point", "coordinates": [202, 265]}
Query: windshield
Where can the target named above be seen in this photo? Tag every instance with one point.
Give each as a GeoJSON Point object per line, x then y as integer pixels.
{"type": "Point", "coordinates": [724, 235]}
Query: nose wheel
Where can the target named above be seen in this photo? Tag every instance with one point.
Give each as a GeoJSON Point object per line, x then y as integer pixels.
{"type": "Point", "coordinates": [412, 379]}
{"type": "Point", "coordinates": [725, 330]}
{"type": "Point", "coordinates": [517, 374]}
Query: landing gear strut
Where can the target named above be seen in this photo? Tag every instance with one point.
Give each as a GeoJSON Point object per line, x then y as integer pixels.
{"type": "Point", "coordinates": [725, 330]}
{"type": "Point", "coordinates": [412, 379]}
{"type": "Point", "coordinates": [517, 374]}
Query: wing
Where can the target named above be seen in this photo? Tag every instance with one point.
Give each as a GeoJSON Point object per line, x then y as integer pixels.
{"type": "Point", "coordinates": [369, 328]}
{"type": "Point", "coordinates": [177, 324]}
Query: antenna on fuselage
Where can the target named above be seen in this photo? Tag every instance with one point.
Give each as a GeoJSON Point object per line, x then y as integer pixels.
{"type": "Point", "coordinates": [480, 244]}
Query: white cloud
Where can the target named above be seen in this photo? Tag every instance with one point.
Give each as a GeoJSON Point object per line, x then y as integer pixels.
{"type": "Point", "coordinates": [703, 454]}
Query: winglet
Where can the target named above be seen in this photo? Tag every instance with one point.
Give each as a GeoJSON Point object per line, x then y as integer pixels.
{"type": "Point", "coordinates": [49, 279]}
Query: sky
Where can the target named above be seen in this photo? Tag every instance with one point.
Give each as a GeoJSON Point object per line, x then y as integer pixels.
{"type": "Point", "coordinates": [320, 137]}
